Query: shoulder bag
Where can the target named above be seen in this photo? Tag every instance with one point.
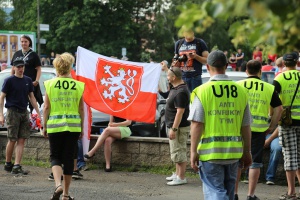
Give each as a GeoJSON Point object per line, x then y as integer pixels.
{"type": "Point", "coordinates": [286, 115]}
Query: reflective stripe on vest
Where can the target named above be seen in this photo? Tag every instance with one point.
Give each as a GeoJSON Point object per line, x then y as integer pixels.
{"type": "Point", "coordinates": [64, 95]}
{"type": "Point", "coordinates": [260, 94]}
{"type": "Point", "coordinates": [288, 81]}
{"type": "Point", "coordinates": [220, 150]}
{"type": "Point", "coordinates": [63, 124]}
{"type": "Point", "coordinates": [64, 116]}
{"type": "Point", "coordinates": [224, 103]}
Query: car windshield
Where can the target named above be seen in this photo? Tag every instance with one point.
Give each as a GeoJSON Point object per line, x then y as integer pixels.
{"type": "Point", "coordinates": [44, 76]}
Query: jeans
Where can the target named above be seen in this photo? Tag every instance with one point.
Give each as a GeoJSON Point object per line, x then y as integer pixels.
{"type": "Point", "coordinates": [275, 156]}
{"type": "Point", "coordinates": [193, 82]}
{"type": "Point", "coordinates": [80, 158]}
{"type": "Point", "coordinates": [218, 180]}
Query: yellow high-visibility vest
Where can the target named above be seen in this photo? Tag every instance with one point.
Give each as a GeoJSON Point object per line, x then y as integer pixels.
{"type": "Point", "coordinates": [288, 81]}
{"type": "Point", "coordinates": [260, 95]}
{"type": "Point", "coordinates": [64, 95]}
{"type": "Point", "coordinates": [224, 103]}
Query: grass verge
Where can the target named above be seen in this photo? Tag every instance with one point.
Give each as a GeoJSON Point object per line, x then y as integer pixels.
{"type": "Point", "coordinates": [162, 170]}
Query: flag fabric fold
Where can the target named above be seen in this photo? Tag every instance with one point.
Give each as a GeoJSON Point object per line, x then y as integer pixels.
{"type": "Point", "coordinates": [86, 123]}
{"type": "Point", "coordinates": [119, 88]}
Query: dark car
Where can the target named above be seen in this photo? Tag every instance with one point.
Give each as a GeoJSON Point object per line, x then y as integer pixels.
{"type": "Point", "coordinates": [100, 121]}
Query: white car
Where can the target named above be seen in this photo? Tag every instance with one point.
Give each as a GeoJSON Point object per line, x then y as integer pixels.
{"type": "Point", "coordinates": [47, 73]}
{"type": "Point", "coordinates": [236, 76]}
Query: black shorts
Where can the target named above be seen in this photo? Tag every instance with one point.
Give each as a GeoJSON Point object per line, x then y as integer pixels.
{"type": "Point", "coordinates": [257, 147]}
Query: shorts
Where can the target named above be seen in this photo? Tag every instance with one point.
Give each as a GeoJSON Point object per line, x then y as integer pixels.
{"type": "Point", "coordinates": [178, 146]}
{"type": "Point", "coordinates": [17, 125]}
{"type": "Point", "coordinates": [62, 150]}
{"type": "Point", "coordinates": [289, 139]}
{"type": "Point", "coordinates": [125, 131]}
{"type": "Point", "coordinates": [257, 147]}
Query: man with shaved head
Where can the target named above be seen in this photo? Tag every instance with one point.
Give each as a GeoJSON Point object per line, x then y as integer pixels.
{"type": "Point", "coordinates": [177, 111]}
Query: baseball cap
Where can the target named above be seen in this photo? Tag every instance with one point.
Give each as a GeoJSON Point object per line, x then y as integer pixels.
{"type": "Point", "coordinates": [18, 62]}
{"type": "Point", "coordinates": [291, 57]}
{"type": "Point", "coordinates": [217, 59]}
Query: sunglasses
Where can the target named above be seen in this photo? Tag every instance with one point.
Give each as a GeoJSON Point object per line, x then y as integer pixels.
{"type": "Point", "coordinates": [171, 69]}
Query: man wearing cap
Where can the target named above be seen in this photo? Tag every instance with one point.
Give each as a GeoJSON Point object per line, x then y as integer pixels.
{"type": "Point", "coordinates": [262, 95]}
{"type": "Point", "coordinates": [16, 89]}
{"type": "Point", "coordinates": [289, 138]}
{"type": "Point", "coordinates": [220, 130]}
{"type": "Point", "coordinates": [177, 111]}
{"type": "Point", "coordinates": [195, 52]}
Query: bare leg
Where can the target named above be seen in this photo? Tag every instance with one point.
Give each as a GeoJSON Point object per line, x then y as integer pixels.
{"type": "Point", "coordinates": [108, 132]}
{"type": "Point", "coordinates": [57, 173]}
{"type": "Point", "coordinates": [290, 176]}
{"type": "Point", "coordinates": [67, 183]}
{"type": "Point", "coordinates": [236, 188]}
{"type": "Point", "coordinates": [19, 150]}
{"type": "Point", "coordinates": [9, 150]}
{"type": "Point", "coordinates": [107, 151]}
{"type": "Point", "coordinates": [253, 178]}
{"type": "Point", "coordinates": [298, 176]}
{"type": "Point", "coordinates": [181, 167]}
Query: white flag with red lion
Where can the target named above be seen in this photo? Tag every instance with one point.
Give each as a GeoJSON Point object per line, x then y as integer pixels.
{"type": "Point", "coordinates": [121, 88]}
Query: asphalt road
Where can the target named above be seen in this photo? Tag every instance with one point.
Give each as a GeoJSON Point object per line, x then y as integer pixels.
{"type": "Point", "coordinates": [116, 185]}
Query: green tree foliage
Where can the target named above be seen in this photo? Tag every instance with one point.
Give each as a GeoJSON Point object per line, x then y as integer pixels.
{"type": "Point", "coordinates": [145, 27]}
{"type": "Point", "coordinates": [2, 19]}
{"type": "Point", "coordinates": [274, 23]}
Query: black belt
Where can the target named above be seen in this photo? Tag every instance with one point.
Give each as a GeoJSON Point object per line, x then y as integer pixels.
{"type": "Point", "coordinates": [17, 109]}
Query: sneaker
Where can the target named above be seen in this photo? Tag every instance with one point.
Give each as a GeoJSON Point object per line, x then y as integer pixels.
{"type": "Point", "coordinates": [286, 196]}
{"type": "Point", "coordinates": [18, 170]}
{"type": "Point", "coordinates": [177, 181]}
{"type": "Point", "coordinates": [171, 178]}
{"type": "Point", "coordinates": [236, 197]}
{"type": "Point", "coordinates": [252, 198]}
{"type": "Point", "coordinates": [270, 183]}
{"type": "Point", "coordinates": [51, 177]}
{"type": "Point", "coordinates": [77, 175]}
{"type": "Point", "coordinates": [8, 168]}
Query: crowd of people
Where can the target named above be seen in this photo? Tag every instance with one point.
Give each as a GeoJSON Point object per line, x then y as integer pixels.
{"type": "Point", "coordinates": [229, 123]}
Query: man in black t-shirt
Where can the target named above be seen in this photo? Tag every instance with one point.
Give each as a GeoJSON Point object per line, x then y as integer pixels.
{"type": "Point", "coordinates": [16, 89]}
{"type": "Point", "coordinates": [196, 51]}
{"type": "Point", "coordinates": [32, 66]}
{"type": "Point", "coordinates": [240, 59]}
{"type": "Point", "coordinates": [177, 111]}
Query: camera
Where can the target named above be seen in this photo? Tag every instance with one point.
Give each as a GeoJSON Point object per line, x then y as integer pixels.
{"type": "Point", "coordinates": [182, 58]}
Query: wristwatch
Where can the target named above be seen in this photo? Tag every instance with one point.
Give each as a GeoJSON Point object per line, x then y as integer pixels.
{"type": "Point", "coordinates": [174, 129]}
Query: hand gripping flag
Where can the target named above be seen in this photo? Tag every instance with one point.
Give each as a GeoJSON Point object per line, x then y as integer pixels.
{"type": "Point", "coordinates": [119, 88]}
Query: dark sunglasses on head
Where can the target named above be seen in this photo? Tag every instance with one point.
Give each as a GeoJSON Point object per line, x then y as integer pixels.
{"type": "Point", "coordinates": [171, 69]}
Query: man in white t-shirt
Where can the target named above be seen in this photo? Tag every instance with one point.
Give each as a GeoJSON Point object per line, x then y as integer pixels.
{"type": "Point", "coordinates": [163, 84]}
